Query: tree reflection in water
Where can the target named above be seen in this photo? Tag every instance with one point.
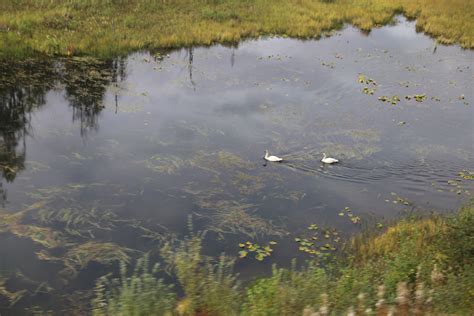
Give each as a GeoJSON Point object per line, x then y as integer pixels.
{"type": "Point", "coordinates": [86, 81]}
{"type": "Point", "coordinates": [23, 88]}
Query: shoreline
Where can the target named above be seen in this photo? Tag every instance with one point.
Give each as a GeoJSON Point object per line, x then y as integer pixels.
{"type": "Point", "coordinates": [30, 29]}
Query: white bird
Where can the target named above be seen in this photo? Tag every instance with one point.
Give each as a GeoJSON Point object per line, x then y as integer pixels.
{"type": "Point", "coordinates": [272, 158]}
{"type": "Point", "coordinates": [328, 159]}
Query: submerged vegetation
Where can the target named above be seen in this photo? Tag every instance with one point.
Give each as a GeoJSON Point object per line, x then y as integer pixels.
{"type": "Point", "coordinates": [417, 266]}
{"type": "Point", "coordinates": [108, 28]}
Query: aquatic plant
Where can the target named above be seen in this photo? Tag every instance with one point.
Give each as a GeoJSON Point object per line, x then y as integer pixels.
{"type": "Point", "coordinates": [78, 257]}
{"type": "Point", "coordinates": [76, 221]}
{"type": "Point", "coordinates": [259, 252]}
{"type": "Point", "coordinates": [368, 81]}
{"type": "Point", "coordinates": [163, 164]}
{"type": "Point", "coordinates": [416, 97]}
{"type": "Point", "coordinates": [67, 236]}
{"type": "Point", "coordinates": [371, 84]}
{"type": "Point", "coordinates": [393, 100]}
{"type": "Point", "coordinates": [45, 236]}
{"type": "Point", "coordinates": [234, 217]}
{"type": "Point", "coordinates": [11, 296]}
{"type": "Point", "coordinates": [319, 243]}
{"type": "Point", "coordinates": [347, 211]}
{"type": "Point", "coordinates": [358, 150]}
{"type": "Point", "coordinates": [247, 184]}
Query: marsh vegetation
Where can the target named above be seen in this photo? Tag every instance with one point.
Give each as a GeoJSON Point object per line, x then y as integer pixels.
{"type": "Point", "coordinates": [107, 28]}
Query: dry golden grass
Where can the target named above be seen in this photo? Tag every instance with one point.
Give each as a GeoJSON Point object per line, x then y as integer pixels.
{"type": "Point", "coordinates": [105, 28]}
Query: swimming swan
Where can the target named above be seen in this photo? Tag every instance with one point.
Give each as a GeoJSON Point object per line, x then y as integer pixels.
{"type": "Point", "coordinates": [328, 160]}
{"type": "Point", "coordinates": [272, 158]}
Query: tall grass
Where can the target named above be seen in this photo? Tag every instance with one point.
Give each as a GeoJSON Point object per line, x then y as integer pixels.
{"type": "Point", "coordinates": [105, 28]}
{"type": "Point", "coordinates": [140, 294]}
{"type": "Point", "coordinates": [417, 267]}
{"type": "Point", "coordinates": [210, 287]}
{"type": "Point", "coordinates": [287, 292]}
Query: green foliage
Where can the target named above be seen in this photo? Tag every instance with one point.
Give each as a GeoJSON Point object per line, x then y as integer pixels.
{"type": "Point", "coordinates": [457, 242]}
{"type": "Point", "coordinates": [455, 293]}
{"type": "Point", "coordinates": [286, 291]}
{"type": "Point", "coordinates": [140, 294]}
{"type": "Point", "coordinates": [209, 287]}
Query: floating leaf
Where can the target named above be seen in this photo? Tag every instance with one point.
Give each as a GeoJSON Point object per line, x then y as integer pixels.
{"type": "Point", "coordinates": [260, 251]}
{"type": "Point", "coordinates": [313, 227]}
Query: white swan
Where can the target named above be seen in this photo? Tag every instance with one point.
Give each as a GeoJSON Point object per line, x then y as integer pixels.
{"type": "Point", "coordinates": [272, 158]}
{"type": "Point", "coordinates": [328, 159]}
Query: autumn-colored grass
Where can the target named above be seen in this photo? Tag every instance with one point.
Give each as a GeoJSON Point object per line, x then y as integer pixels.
{"type": "Point", "coordinates": [107, 28]}
{"type": "Point", "coordinates": [422, 231]}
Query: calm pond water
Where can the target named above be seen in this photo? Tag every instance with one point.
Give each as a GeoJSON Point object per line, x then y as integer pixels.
{"type": "Point", "coordinates": [124, 151]}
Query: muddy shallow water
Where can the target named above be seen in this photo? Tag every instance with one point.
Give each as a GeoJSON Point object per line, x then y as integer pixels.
{"type": "Point", "coordinates": [124, 151]}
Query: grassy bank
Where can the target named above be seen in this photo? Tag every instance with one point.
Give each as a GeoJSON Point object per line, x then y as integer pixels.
{"type": "Point", "coordinates": [416, 267]}
{"type": "Point", "coordinates": [105, 28]}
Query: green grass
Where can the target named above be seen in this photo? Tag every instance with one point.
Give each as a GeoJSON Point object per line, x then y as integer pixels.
{"type": "Point", "coordinates": [139, 294]}
{"type": "Point", "coordinates": [417, 266]}
{"type": "Point", "coordinates": [209, 286]}
{"type": "Point", "coordinates": [108, 28]}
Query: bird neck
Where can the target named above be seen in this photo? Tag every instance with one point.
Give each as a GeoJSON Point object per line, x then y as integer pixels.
{"type": "Point", "coordinates": [266, 154]}
{"type": "Point", "coordinates": [324, 156]}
